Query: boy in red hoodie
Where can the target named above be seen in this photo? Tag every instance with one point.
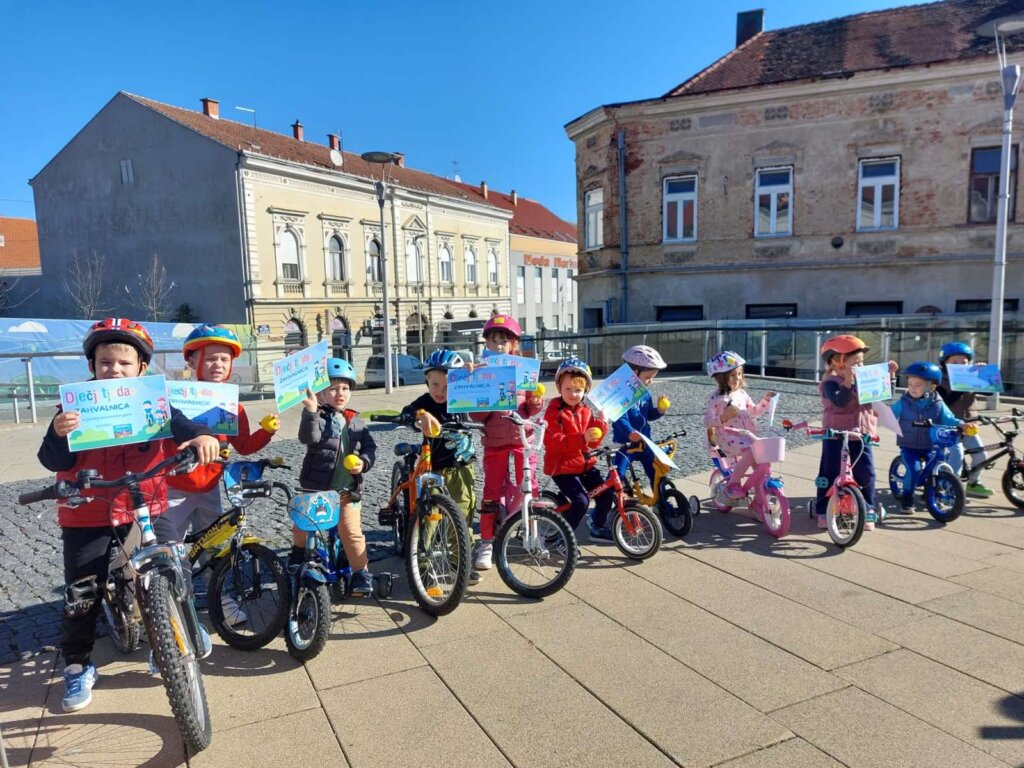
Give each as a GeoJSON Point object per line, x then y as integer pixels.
{"type": "Point", "coordinates": [572, 430]}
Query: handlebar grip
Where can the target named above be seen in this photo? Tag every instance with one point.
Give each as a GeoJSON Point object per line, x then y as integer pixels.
{"type": "Point", "coordinates": [387, 419]}
{"type": "Point", "coordinates": [455, 426]}
{"type": "Point", "coordinates": [1018, 412]}
{"type": "Point", "coordinates": [924, 423]}
{"type": "Point", "coordinates": [43, 494]}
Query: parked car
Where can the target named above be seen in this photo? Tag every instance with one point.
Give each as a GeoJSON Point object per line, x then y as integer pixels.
{"type": "Point", "coordinates": [410, 371]}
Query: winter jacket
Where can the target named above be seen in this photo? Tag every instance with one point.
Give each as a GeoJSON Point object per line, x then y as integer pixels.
{"type": "Point", "coordinates": [842, 408]}
{"type": "Point", "coordinates": [112, 506]}
{"type": "Point", "coordinates": [564, 441]}
{"type": "Point", "coordinates": [320, 432]}
{"type": "Point", "coordinates": [960, 403]}
{"type": "Point", "coordinates": [441, 455]}
{"type": "Point", "coordinates": [637, 419]}
{"type": "Point", "coordinates": [910, 409]}
{"type": "Point", "coordinates": [206, 476]}
{"type": "Point", "coordinates": [500, 432]}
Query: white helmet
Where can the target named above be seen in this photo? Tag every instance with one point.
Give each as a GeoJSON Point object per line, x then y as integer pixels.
{"type": "Point", "coordinates": [724, 362]}
{"type": "Point", "coordinates": [643, 356]}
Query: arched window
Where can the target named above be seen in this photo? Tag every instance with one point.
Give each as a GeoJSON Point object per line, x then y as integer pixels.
{"type": "Point", "coordinates": [412, 263]}
{"type": "Point", "coordinates": [492, 266]}
{"type": "Point", "coordinates": [373, 267]}
{"type": "Point", "coordinates": [294, 334]}
{"type": "Point", "coordinates": [336, 260]}
{"type": "Point", "coordinates": [470, 266]}
{"type": "Point", "coordinates": [444, 259]}
{"type": "Point", "coordinates": [288, 255]}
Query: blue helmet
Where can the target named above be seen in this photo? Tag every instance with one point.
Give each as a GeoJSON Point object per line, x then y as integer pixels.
{"type": "Point", "coordinates": [575, 365]}
{"type": "Point", "coordinates": [927, 371]}
{"type": "Point", "coordinates": [955, 348]}
{"type": "Point", "coordinates": [442, 360]}
{"type": "Point", "coordinates": [341, 369]}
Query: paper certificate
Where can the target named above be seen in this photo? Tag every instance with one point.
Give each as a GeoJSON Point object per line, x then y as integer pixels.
{"type": "Point", "coordinates": [975, 378]}
{"type": "Point", "coordinates": [117, 411]}
{"type": "Point", "coordinates": [485, 389]}
{"type": "Point", "coordinates": [874, 383]}
{"type": "Point", "coordinates": [527, 369]}
{"type": "Point", "coordinates": [293, 375]}
{"type": "Point", "coordinates": [618, 393]}
{"type": "Point", "coordinates": [659, 454]}
{"type": "Point", "coordinates": [213, 405]}
{"type": "Point", "coordinates": [886, 418]}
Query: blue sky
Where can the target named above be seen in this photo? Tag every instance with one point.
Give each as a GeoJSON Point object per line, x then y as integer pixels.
{"type": "Point", "coordinates": [489, 85]}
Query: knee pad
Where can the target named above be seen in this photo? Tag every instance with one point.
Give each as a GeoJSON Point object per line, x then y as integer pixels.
{"type": "Point", "coordinates": [80, 596]}
{"type": "Point", "coordinates": [489, 508]}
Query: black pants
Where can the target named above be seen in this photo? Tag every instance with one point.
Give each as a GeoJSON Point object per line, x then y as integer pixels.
{"type": "Point", "coordinates": [863, 470]}
{"type": "Point", "coordinates": [86, 559]}
{"type": "Point", "coordinates": [575, 488]}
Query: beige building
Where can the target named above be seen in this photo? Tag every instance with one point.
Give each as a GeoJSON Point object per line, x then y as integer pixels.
{"type": "Point", "coordinates": [848, 167]}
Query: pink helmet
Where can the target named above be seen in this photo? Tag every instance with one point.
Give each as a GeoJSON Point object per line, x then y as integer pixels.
{"type": "Point", "coordinates": [643, 356]}
{"type": "Point", "coordinates": [505, 323]}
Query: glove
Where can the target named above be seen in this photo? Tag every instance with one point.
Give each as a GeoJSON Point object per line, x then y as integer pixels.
{"type": "Point", "coordinates": [462, 446]}
{"type": "Point", "coordinates": [664, 404]}
{"type": "Point", "coordinates": [271, 423]}
{"type": "Point", "coordinates": [593, 434]}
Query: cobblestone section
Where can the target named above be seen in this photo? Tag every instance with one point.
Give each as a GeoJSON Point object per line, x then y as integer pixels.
{"type": "Point", "coordinates": [31, 580]}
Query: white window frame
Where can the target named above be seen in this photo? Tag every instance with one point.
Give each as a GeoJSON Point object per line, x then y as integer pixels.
{"type": "Point", "coordinates": [520, 286]}
{"type": "Point", "coordinates": [774, 191]}
{"type": "Point", "coordinates": [878, 183]}
{"type": "Point", "coordinates": [538, 286]}
{"type": "Point", "coordinates": [681, 199]}
{"type": "Point", "coordinates": [294, 237]}
{"type": "Point", "coordinates": [341, 274]}
{"type": "Point", "coordinates": [127, 171]}
{"type": "Point", "coordinates": [554, 284]}
{"type": "Point", "coordinates": [470, 265]}
{"type": "Point", "coordinates": [444, 264]}
{"type": "Point", "coordinates": [593, 219]}
{"type": "Point", "coordinates": [569, 285]}
{"type": "Point", "coordinates": [493, 278]}
{"type": "Point", "coordinates": [373, 275]}
{"type": "Point", "coordinates": [413, 262]}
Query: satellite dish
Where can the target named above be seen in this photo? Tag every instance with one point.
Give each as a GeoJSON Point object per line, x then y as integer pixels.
{"type": "Point", "coordinates": [337, 158]}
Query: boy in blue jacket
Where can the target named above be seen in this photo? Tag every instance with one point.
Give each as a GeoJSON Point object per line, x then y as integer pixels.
{"type": "Point", "coordinates": [645, 362]}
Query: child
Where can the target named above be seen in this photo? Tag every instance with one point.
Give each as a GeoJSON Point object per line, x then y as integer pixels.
{"type": "Point", "coordinates": [572, 429]}
{"type": "Point", "coordinates": [919, 403]}
{"type": "Point", "coordinates": [729, 418]}
{"type": "Point", "coordinates": [843, 410]}
{"type": "Point", "coordinates": [339, 452]}
{"type": "Point", "coordinates": [452, 455]}
{"type": "Point", "coordinates": [500, 438]}
{"type": "Point", "coordinates": [962, 406]}
{"type": "Point", "coordinates": [645, 362]}
{"type": "Point", "coordinates": [115, 348]}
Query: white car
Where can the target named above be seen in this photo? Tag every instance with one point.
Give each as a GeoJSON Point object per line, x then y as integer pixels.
{"type": "Point", "coordinates": [410, 371]}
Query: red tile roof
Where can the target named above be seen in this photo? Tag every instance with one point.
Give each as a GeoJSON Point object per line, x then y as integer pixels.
{"type": "Point", "coordinates": [20, 249]}
{"type": "Point", "coordinates": [259, 141]}
{"type": "Point", "coordinates": [529, 217]}
{"type": "Point", "coordinates": [910, 36]}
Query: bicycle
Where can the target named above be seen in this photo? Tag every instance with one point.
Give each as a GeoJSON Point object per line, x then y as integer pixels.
{"type": "Point", "coordinates": [1013, 475]}
{"type": "Point", "coordinates": [943, 490]}
{"type": "Point", "coordinates": [533, 539]}
{"type": "Point", "coordinates": [421, 511]}
{"type": "Point", "coordinates": [762, 491]}
{"type": "Point", "coordinates": [676, 511]}
{"type": "Point", "coordinates": [636, 530]}
{"type": "Point", "coordinates": [147, 582]}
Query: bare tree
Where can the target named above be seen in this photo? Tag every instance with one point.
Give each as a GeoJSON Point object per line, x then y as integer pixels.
{"type": "Point", "coordinates": [11, 296]}
{"type": "Point", "coordinates": [83, 284]}
{"type": "Point", "coordinates": [152, 297]}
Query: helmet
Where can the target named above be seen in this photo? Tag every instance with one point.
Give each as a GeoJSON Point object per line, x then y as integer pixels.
{"type": "Point", "coordinates": [927, 371]}
{"type": "Point", "coordinates": [505, 323]}
{"type": "Point", "coordinates": [955, 348]}
{"type": "Point", "coordinates": [724, 362]}
{"type": "Point", "coordinates": [340, 369]}
{"type": "Point", "coordinates": [574, 365]}
{"type": "Point", "coordinates": [114, 330]}
{"type": "Point", "coordinates": [442, 360]}
{"type": "Point", "coordinates": [204, 335]}
{"type": "Point", "coordinates": [643, 356]}
{"type": "Point", "coordinates": [842, 345]}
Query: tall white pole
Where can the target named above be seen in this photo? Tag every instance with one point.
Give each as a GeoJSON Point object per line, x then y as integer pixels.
{"type": "Point", "coordinates": [381, 190]}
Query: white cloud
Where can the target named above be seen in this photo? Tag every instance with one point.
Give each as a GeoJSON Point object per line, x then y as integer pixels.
{"type": "Point", "coordinates": [28, 327]}
{"type": "Point", "coordinates": [68, 357]}
{"type": "Point", "coordinates": [182, 330]}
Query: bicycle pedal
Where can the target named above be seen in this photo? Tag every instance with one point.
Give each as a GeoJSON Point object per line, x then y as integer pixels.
{"type": "Point", "coordinates": [434, 591]}
{"type": "Point", "coordinates": [387, 516]}
{"type": "Point", "coordinates": [434, 517]}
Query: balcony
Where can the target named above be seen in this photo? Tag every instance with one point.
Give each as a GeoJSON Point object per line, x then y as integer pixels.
{"type": "Point", "coordinates": [291, 288]}
{"type": "Point", "coordinates": [337, 288]}
{"type": "Point", "coordinates": [446, 289]}
{"type": "Point", "coordinates": [494, 289]}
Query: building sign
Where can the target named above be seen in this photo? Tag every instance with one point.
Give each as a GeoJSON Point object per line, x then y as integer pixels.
{"type": "Point", "coordinates": [546, 261]}
{"type": "Point", "coordinates": [262, 330]}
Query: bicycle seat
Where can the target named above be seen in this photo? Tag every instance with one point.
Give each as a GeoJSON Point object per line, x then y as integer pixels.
{"type": "Point", "coordinates": [404, 449]}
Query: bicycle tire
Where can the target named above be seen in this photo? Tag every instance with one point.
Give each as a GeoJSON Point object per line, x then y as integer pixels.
{"type": "Point", "coordinates": [125, 631]}
{"type": "Point", "coordinates": [897, 472]}
{"type": "Point", "coordinates": [307, 635]}
{"type": "Point", "coordinates": [844, 532]}
{"type": "Point", "coordinates": [1013, 484]}
{"type": "Point", "coordinates": [784, 516]}
{"type": "Point", "coordinates": [714, 482]}
{"type": "Point", "coordinates": [178, 662]}
{"type": "Point", "coordinates": [645, 543]}
{"type": "Point", "coordinates": [560, 548]}
{"type": "Point", "coordinates": [944, 496]}
{"type": "Point", "coordinates": [676, 515]}
{"type": "Point", "coordinates": [448, 547]}
{"type": "Point", "coordinates": [398, 527]}
{"type": "Point", "coordinates": [557, 498]}
{"type": "Point", "coordinates": [253, 577]}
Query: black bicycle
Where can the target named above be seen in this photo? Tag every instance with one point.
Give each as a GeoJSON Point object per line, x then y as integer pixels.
{"type": "Point", "coordinates": [1013, 475]}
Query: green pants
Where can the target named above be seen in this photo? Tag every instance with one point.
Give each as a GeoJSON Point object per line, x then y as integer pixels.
{"type": "Point", "coordinates": [461, 482]}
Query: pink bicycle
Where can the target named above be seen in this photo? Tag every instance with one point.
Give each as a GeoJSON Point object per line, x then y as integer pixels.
{"type": "Point", "coordinates": [762, 491]}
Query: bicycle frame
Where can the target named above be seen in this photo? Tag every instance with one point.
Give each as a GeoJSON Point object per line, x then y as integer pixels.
{"type": "Point", "coordinates": [757, 479]}
{"type": "Point", "coordinates": [661, 471]}
{"type": "Point", "coordinates": [1005, 445]}
{"type": "Point", "coordinates": [612, 482]}
{"type": "Point", "coordinates": [525, 498]}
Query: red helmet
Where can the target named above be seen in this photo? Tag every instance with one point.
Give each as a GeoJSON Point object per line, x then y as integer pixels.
{"type": "Point", "coordinates": [842, 345]}
{"type": "Point", "coordinates": [505, 323]}
{"type": "Point", "coordinates": [118, 330]}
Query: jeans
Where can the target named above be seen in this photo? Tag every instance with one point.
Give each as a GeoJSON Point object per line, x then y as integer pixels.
{"type": "Point", "coordinates": [863, 470]}
{"type": "Point", "coordinates": [914, 460]}
{"type": "Point", "coordinates": [575, 488]}
{"type": "Point", "coordinates": [970, 445]}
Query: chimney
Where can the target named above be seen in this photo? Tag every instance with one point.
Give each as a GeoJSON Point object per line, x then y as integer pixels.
{"type": "Point", "coordinates": [515, 198]}
{"type": "Point", "coordinates": [297, 130]}
{"type": "Point", "coordinates": [748, 24]}
{"type": "Point", "coordinates": [211, 108]}
{"type": "Point", "coordinates": [483, 189]}
{"type": "Point", "coordinates": [334, 142]}
{"type": "Point", "coordinates": [400, 159]}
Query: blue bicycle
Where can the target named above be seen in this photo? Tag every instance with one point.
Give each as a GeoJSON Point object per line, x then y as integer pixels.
{"type": "Point", "coordinates": [943, 489]}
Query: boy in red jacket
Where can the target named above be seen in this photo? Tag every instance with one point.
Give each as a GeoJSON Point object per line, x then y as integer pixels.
{"type": "Point", "coordinates": [572, 430]}
{"type": "Point", "coordinates": [116, 348]}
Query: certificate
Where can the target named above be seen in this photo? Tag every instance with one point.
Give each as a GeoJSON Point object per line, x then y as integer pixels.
{"type": "Point", "coordinates": [527, 369]}
{"type": "Point", "coordinates": [293, 375]}
{"type": "Point", "coordinates": [618, 393]}
{"type": "Point", "coordinates": [117, 411]}
{"type": "Point", "coordinates": [975, 378]}
{"type": "Point", "coordinates": [213, 405]}
{"type": "Point", "coordinates": [659, 454]}
{"type": "Point", "coordinates": [874, 383]}
{"type": "Point", "coordinates": [490, 388]}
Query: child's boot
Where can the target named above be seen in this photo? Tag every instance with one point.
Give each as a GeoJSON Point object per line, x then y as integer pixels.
{"type": "Point", "coordinates": [483, 561]}
{"type": "Point", "coordinates": [362, 583]}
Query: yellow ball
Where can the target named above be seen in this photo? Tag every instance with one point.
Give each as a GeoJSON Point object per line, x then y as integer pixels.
{"type": "Point", "coordinates": [352, 461]}
{"type": "Point", "coordinates": [540, 390]}
{"type": "Point", "coordinates": [664, 403]}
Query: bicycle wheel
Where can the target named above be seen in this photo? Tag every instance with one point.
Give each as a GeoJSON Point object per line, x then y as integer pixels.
{"type": "Point", "coordinates": [897, 474]}
{"type": "Point", "coordinates": [716, 486]}
{"type": "Point", "coordinates": [437, 558]}
{"type": "Point", "coordinates": [178, 661]}
{"type": "Point", "coordinates": [646, 537]}
{"type": "Point", "coordinates": [1013, 483]}
{"type": "Point", "coordinates": [253, 588]}
{"type": "Point", "coordinates": [944, 495]}
{"type": "Point", "coordinates": [776, 515]}
{"type": "Point", "coordinates": [845, 514]}
{"type": "Point", "coordinates": [674, 508]}
{"type": "Point", "coordinates": [544, 562]}
{"type": "Point", "coordinates": [307, 631]}
{"type": "Point", "coordinates": [119, 611]}
{"type": "Point", "coordinates": [399, 476]}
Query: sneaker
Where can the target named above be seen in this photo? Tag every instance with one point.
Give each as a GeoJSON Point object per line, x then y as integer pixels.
{"type": "Point", "coordinates": [882, 513]}
{"type": "Point", "coordinates": [484, 556]}
{"type": "Point", "coordinates": [822, 520]}
{"type": "Point", "coordinates": [869, 520]}
{"type": "Point", "coordinates": [233, 614]}
{"type": "Point", "coordinates": [474, 578]}
{"type": "Point", "coordinates": [361, 584]}
{"type": "Point", "coordinates": [907, 502]}
{"type": "Point", "coordinates": [599, 533]}
{"type": "Point", "coordinates": [978, 491]}
{"type": "Point", "coordinates": [78, 683]}
{"type": "Point", "coordinates": [734, 491]}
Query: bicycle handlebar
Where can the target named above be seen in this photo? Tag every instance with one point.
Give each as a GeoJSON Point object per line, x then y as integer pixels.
{"type": "Point", "coordinates": [409, 420]}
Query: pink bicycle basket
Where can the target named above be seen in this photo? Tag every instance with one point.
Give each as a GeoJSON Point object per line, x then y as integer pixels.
{"type": "Point", "coordinates": [768, 450]}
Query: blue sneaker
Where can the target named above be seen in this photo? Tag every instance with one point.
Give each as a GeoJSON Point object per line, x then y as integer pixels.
{"type": "Point", "coordinates": [362, 583]}
{"type": "Point", "coordinates": [78, 683]}
{"type": "Point", "coordinates": [599, 533]}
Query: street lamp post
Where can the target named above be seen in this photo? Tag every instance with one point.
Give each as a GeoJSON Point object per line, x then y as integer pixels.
{"type": "Point", "coordinates": [385, 160]}
{"type": "Point", "coordinates": [1009, 76]}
